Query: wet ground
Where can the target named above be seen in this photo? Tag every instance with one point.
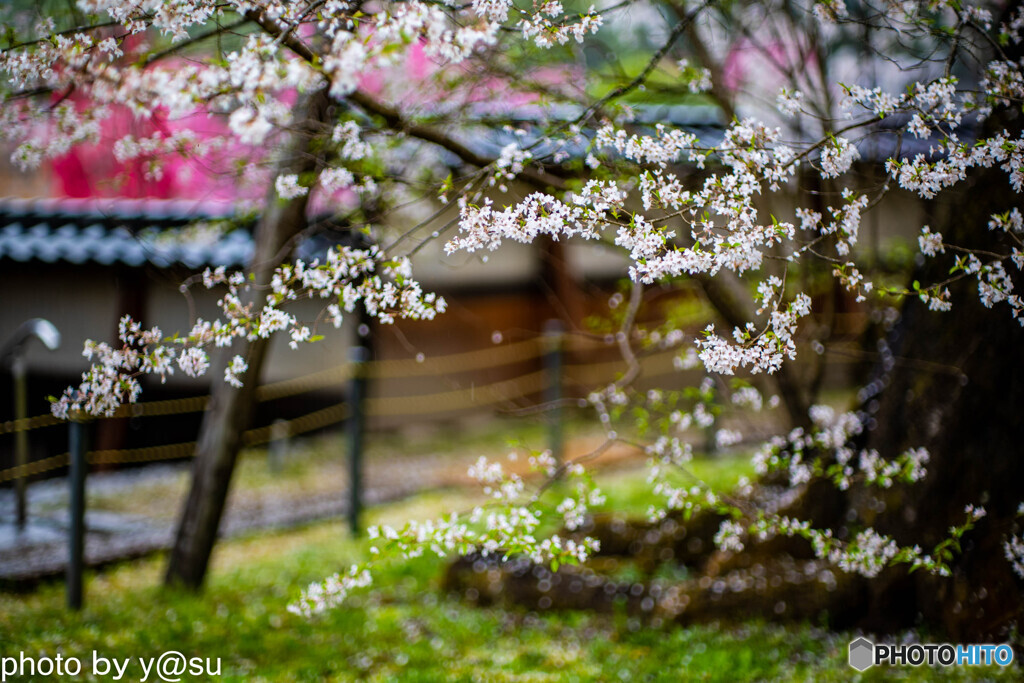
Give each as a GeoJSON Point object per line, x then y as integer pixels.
{"type": "Point", "coordinates": [134, 512]}
{"type": "Point", "coordinates": [40, 549]}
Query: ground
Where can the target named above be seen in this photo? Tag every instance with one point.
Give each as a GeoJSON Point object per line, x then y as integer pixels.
{"type": "Point", "coordinates": [407, 628]}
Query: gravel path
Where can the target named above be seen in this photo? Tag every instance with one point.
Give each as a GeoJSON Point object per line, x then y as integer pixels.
{"type": "Point", "coordinates": [40, 550]}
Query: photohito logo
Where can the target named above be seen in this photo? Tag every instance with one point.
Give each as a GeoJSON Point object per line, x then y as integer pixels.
{"type": "Point", "coordinates": [865, 654]}
{"type": "Point", "coordinates": [862, 654]}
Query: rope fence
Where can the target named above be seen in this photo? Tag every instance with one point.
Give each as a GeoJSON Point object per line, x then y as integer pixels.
{"type": "Point", "coordinates": [502, 392]}
{"type": "Point", "coordinates": [253, 437]}
{"type": "Point", "coordinates": [452, 363]}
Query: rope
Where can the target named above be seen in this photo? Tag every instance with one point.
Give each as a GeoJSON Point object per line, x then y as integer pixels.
{"type": "Point", "coordinates": [28, 469]}
{"type": "Point", "coordinates": [304, 384]}
{"type": "Point", "coordinates": [451, 363]}
{"type": "Point", "coordinates": [440, 402]}
{"type": "Point", "coordinates": [458, 399]}
{"type": "Point", "coordinates": [595, 373]}
{"type": "Point", "coordinates": [444, 401]}
{"type": "Point", "coordinates": [300, 425]}
{"type": "Point", "coordinates": [252, 437]}
{"type": "Point", "coordinates": [173, 406]}
{"type": "Point", "coordinates": [117, 457]}
{"type": "Point", "coordinates": [458, 362]}
{"type": "Point", "coordinates": [28, 423]}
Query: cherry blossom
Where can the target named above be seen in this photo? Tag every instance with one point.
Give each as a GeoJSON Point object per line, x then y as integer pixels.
{"type": "Point", "coordinates": [677, 202]}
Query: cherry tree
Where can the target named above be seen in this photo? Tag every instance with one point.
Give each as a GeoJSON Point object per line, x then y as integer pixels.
{"type": "Point", "coordinates": [832, 111]}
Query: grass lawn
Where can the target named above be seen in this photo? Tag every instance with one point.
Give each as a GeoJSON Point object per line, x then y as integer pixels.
{"type": "Point", "coordinates": [403, 629]}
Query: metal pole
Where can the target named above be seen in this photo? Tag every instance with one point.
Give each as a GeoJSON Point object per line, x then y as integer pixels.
{"type": "Point", "coordinates": [20, 437]}
{"type": "Point", "coordinates": [358, 356]}
{"type": "Point", "coordinates": [13, 348]}
{"type": "Point", "coordinates": [554, 336]}
{"type": "Point", "coordinates": [77, 445]}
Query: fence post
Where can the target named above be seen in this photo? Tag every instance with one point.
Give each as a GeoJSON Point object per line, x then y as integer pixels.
{"type": "Point", "coordinates": [554, 341]}
{"type": "Point", "coordinates": [358, 355]}
{"type": "Point", "coordinates": [77, 446]}
{"type": "Point", "coordinates": [20, 438]}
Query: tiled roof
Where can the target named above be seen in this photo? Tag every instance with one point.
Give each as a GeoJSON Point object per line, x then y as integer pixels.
{"type": "Point", "coordinates": [107, 231]}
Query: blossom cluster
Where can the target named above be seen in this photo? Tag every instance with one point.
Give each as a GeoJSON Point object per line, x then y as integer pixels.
{"type": "Point", "coordinates": [347, 277]}
{"type": "Point", "coordinates": [507, 525]}
{"type": "Point", "coordinates": [251, 84]}
{"type": "Point", "coordinates": [826, 451]}
{"type": "Point", "coordinates": [1013, 548]}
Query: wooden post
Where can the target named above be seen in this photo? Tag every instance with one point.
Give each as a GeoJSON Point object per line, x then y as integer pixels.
{"type": "Point", "coordinates": [77, 446]}
{"type": "Point", "coordinates": [20, 438]}
{"type": "Point", "coordinates": [554, 339]}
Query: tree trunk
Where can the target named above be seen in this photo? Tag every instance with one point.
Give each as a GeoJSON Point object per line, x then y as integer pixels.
{"type": "Point", "coordinates": [955, 386]}
{"type": "Point", "coordinates": [230, 410]}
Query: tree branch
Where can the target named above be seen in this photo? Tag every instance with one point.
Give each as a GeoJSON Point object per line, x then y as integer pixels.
{"type": "Point", "coordinates": [677, 31]}
{"type": "Point", "coordinates": [394, 119]}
